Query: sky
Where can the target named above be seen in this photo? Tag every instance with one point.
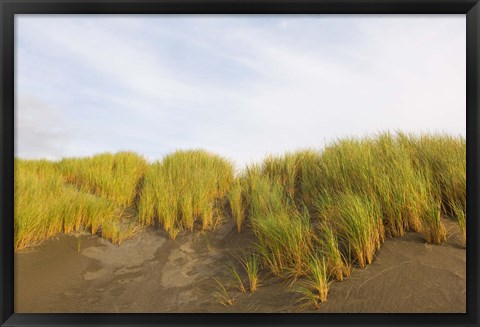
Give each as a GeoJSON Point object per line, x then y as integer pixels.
{"type": "Point", "coordinates": [237, 85]}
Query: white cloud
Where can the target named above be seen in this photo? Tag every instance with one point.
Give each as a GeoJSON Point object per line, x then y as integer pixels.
{"type": "Point", "coordinates": [38, 129]}
{"type": "Point", "coordinates": [242, 86]}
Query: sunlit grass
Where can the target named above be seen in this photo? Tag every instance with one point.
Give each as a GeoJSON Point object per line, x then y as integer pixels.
{"type": "Point", "coordinates": [221, 292]}
{"type": "Point", "coordinates": [344, 201]}
{"type": "Point", "coordinates": [338, 264]}
{"type": "Point", "coordinates": [237, 278]}
{"type": "Point", "coordinates": [116, 177]}
{"type": "Point", "coordinates": [185, 187]}
{"type": "Point", "coordinates": [314, 214]}
{"type": "Point", "coordinates": [237, 206]}
{"type": "Point", "coordinates": [357, 221]}
{"type": "Point", "coordinates": [460, 215]}
{"type": "Point", "coordinates": [46, 206]}
{"type": "Point", "coordinates": [117, 232]}
{"type": "Point", "coordinates": [442, 159]}
{"type": "Point", "coordinates": [284, 235]}
{"type": "Point", "coordinates": [251, 265]}
{"type": "Point", "coordinates": [314, 287]}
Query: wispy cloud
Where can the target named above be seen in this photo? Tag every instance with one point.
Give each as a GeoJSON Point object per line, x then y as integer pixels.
{"type": "Point", "coordinates": [241, 86]}
{"type": "Point", "coordinates": [39, 135]}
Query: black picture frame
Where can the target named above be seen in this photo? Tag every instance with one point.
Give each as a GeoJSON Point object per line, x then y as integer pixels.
{"type": "Point", "coordinates": [9, 8]}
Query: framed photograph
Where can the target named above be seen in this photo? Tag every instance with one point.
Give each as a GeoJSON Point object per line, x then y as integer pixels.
{"type": "Point", "coordinates": [239, 163]}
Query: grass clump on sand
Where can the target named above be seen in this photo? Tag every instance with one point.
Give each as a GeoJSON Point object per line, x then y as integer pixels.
{"type": "Point", "coordinates": [251, 265]}
{"type": "Point", "coordinates": [314, 214]}
{"type": "Point", "coordinates": [237, 278]}
{"type": "Point", "coordinates": [283, 233]}
{"type": "Point", "coordinates": [297, 172]}
{"type": "Point", "coordinates": [460, 215]}
{"type": "Point", "coordinates": [343, 202]}
{"type": "Point", "coordinates": [337, 263]}
{"type": "Point", "coordinates": [46, 206]}
{"type": "Point", "coordinates": [221, 293]}
{"type": "Point", "coordinates": [357, 222]}
{"type": "Point", "coordinates": [442, 160]}
{"type": "Point", "coordinates": [374, 168]}
{"type": "Point", "coordinates": [314, 287]}
{"type": "Point", "coordinates": [118, 232]}
{"type": "Point", "coordinates": [116, 177]}
{"type": "Point", "coordinates": [184, 187]}
{"type": "Point", "coordinates": [392, 171]}
{"type": "Point", "coordinates": [237, 206]}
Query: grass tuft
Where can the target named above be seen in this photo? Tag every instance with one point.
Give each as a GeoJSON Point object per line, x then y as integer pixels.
{"type": "Point", "coordinates": [221, 293]}
{"type": "Point", "coordinates": [314, 214]}
{"type": "Point", "coordinates": [45, 206]}
{"type": "Point", "coordinates": [115, 177]}
{"type": "Point", "coordinates": [314, 287]}
{"type": "Point", "coordinates": [185, 187]}
{"type": "Point", "coordinates": [251, 266]}
{"type": "Point", "coordinates": [237, 206]}
{"type": "Point", "coordinates": [237, 278]}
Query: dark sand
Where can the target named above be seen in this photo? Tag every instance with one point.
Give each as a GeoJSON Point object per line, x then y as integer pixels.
{"type": "Point", "coordinates": [150, 273]}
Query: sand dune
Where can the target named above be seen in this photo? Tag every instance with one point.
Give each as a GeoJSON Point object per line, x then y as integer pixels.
{"type": "Point", "coordinates": [150, 273]}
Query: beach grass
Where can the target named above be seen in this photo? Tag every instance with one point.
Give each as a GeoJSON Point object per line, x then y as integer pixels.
{"type": "Point", "coordinates": [314, 287]}
{"type": "Point", "coordinates": [237, 278]}
{"type": "Point", "coordinates": [251, 265]}
{"type": "Point", "coordinates": [236, 203]}
{"type": "Point", "coordinates": [442, 160]}
{"type": "Point", "coordinates": [221, 292]}
{"type": "Point", "coordinates": [46, 206]}
{"type": "Point", "coordinates": [357, 222]}
{"type": "Point", "coordinates": [337, 263]}
{"type": "Point", "coordinates": [283, 233]}
{"type": "Point", "coordinates": [344, 201]}
{"type": "Point", "coordinates": [117, 231]}
{"type": "Point", "coordinates": [314, 214]}
{"type": "Point", "coordinates": [185, 187]}
{"type": "Point", "coordinates": [116, 177]}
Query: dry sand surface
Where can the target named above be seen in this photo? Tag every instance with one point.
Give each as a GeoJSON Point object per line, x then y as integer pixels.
{"type": "Point", "coordinates": [150, 273]}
